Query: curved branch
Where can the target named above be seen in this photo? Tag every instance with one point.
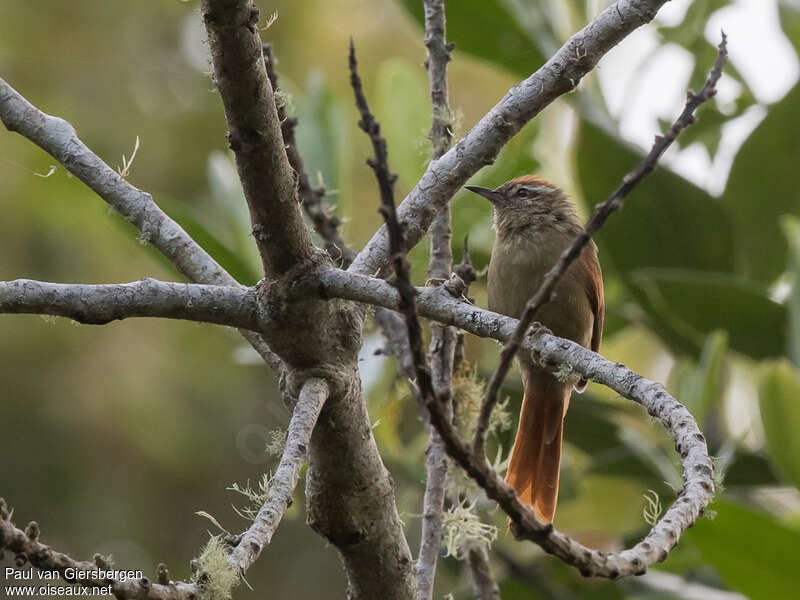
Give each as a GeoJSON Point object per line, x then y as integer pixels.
{"type": "Point", "coordinates": [521, 103]}
{"type": "Point", "coordinates": [59, 139]}
{"type": "Point", "coordinates": [254, 134]}
{"type": "Point", "coordinates": [101, 304]}
{"type": "Point", "coordinates": [437, 303]}
{"type": "Point", "coordinates": [283, 483]}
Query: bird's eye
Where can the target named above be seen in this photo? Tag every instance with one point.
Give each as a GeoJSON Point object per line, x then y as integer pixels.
{"type": "Point", "coordinates": [523, 192]}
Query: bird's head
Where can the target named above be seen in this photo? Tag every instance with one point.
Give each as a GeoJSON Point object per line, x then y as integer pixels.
{"type": "Point", "coordinates": [528, 200]}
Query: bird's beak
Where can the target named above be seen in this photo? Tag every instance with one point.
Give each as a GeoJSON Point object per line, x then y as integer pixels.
{"type": "Point", "coordinates": [491, 195]}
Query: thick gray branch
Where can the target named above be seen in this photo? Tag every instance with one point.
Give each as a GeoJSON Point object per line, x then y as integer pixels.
{"type": "Point", "coordinates": [552, 352]}
{"type": "Point", "coordinates": [283, 483]}
{"type": "Point", "coordinates": [521, 103]}
{"type": "Point", "coordinates": [101, 304]}
{"type": "Point", "coordinates": [58, 138]}
{"type": "Point", "coordinates": [254, 134]}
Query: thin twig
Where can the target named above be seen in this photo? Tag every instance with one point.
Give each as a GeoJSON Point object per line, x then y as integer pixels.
{"type": "Point", "coordinates": [484, 585]}
{"type": "Point", "coordinates": [599, 216]}
{"type": "Point", "coordinates": [379, 164]}
{"type": "Point", "coordinates": [402, 269]}
{"type": "Point", "coordinates": [325, 222]}
{"type": "Point", "coordinates": [443, 337]}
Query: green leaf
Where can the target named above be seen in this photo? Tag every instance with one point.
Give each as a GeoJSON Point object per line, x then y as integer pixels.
{"type": "Point", "coordinates": [666, 221]}
{"type": "Point", "coordinates": [779, 400]}
{"type": "Point", "coordinates": [789, 11]}
{"type": "Point", "coordinates": [791, 228]}
{"type": "Point", "coordinates": [762, 187]}
{"type": "Point", "coordinates": [699, 386]}
{"type": "Point", "coordinates": [592, 425]}
{"type": "Point", "coordinates": [403, 110]}
{"type": "Point", "coordinates": [322, 126]}
{"type": "Point", "coordinates": [238, 268]}
{"type": "Point", "coordinates": [696, 303]}
{"type": "Point", "coordinates": [752, 552]}
{"type": "Point", "coordinates": [693, 25]}
{"type": "Point", "coordinates": [487, 30]}
{"type": "Point", "coordinates": [748, 469]}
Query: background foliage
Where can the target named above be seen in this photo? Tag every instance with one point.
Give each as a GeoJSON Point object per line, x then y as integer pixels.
{"type": "Point", "coordinates": [115, 436]}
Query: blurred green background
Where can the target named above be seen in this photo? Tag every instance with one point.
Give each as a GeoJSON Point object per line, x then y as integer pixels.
{"type": "Point", "coordinates": [114, 436]}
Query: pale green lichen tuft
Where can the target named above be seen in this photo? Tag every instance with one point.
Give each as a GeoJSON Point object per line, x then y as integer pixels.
{"type": "Point", "coordinates": [468, 392]}
{"type": "Point", "coordinates": [652, 507]}
{"type": "Point", "coordinates": [276, 442]}
{"type": "Point", "coordinates": [215, 577]}
{"type": "Point", "coordinates": [256, 497]}
{"type": "Point", "coordinates": [563, 372]}
{"type": "Point", "coordinates": [283, 99]}
{"type": "Point", "coordinates": [125, 169]}
{"type": "Point", "coordinates": [462, 529]}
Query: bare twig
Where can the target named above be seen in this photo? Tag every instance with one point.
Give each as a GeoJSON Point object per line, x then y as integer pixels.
{"type": "Point", "coordinates": [386, 180]}
{"type": "Point", "coordinates": [402, 282]}
{"type": "Point", "coordinates": [467, 273]}
{"type": "Point", "coordinates": [254, 134]}
{"type": "Point", "coordinates": [599, 216]}
{"type": "Point", "coordinates": [443, 337]}
{"type": "Point", "coordinates": [560, 74]}
{"type": "Point", "coordinates": [484, 585]}
{"type": "Point", "coordinates": [282, 484]}
{"type": "Point", "coordinates": [379, 164]}
{"type": "Point", "coordinates": [325, 222]}
{"type": "Point", "coordinates": [100, 304]}
{"type": "Point", "coordinates": [58, 138]}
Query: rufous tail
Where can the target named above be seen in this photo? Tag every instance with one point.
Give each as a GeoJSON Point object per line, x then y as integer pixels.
{"type": "Point", "coordinates": [535, 459]}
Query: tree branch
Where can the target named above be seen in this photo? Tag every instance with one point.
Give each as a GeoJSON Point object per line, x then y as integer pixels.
{"type": "Point", "coordinates": [599, 216]}
{"type": "Point", "coordinates": [326, 224]}
{"type": "Point", "coordinates": [443, 338]}
{"type": "Point", "coordinates": [58, 138]}
{"type": "Point", "coordinates": [101, 304]}
{"type": "Point", "coordinates": [560, 74]}
{"type": "Point", "coordinates": [283, 483]}
{"type": "Point", "coordinates": [254, 134]}
{"type": "Point", "coordinates": [484, 585]}
{"type": "Point", "coordinates": [553, 352]}
{"type": "Point", "coordinates": [27, 547]}
{"type": "Point", "coordinates": [250, 543]}
{"type": "Point", "coordinates": [370, 126]}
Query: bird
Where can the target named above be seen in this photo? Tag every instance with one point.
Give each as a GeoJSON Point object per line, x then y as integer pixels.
{"type": "Point", "coordinates": [535, 222]}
